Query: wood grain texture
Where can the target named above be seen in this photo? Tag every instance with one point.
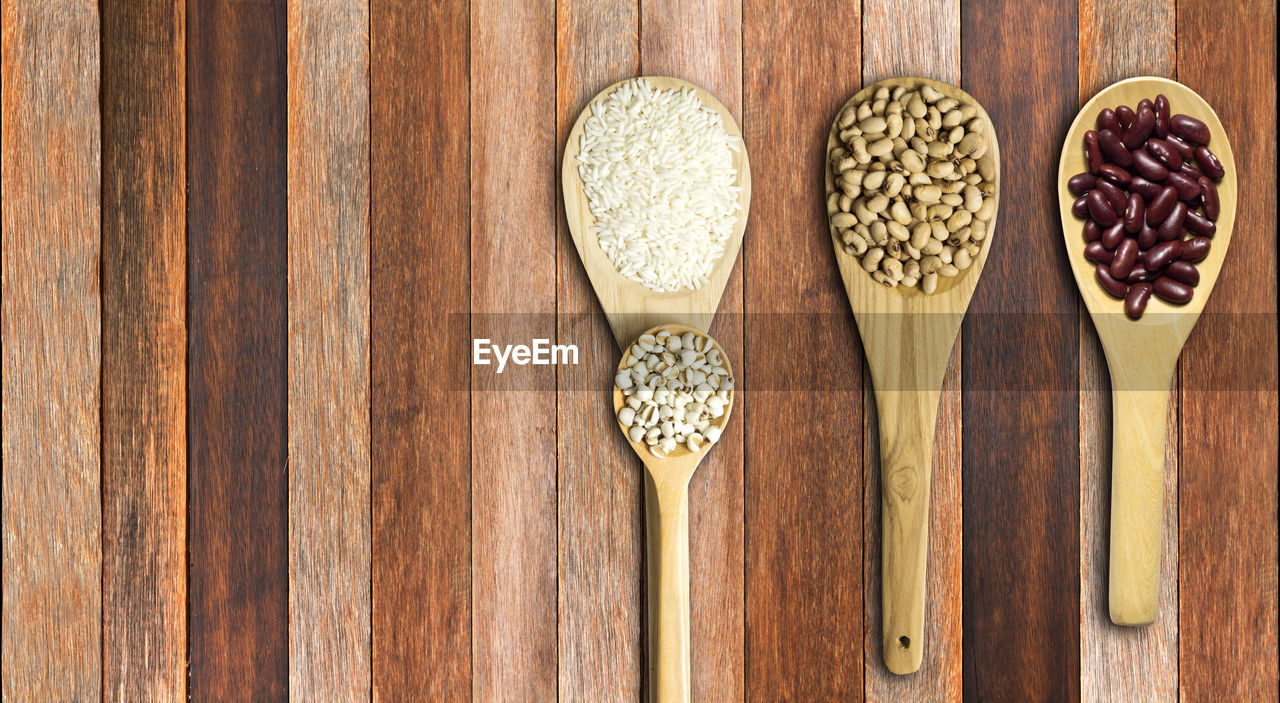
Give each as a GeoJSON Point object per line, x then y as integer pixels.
{"type": "Point", "coordinates": [1227, 548]}
{"type": "Point", "coordinates": [804, 490]}
{"type": "Point", "coordinates": [1021, 451]}
{"type": "Point", "coordinates": [702, 42]}
{"type": "Point", "coordinates": [1119, 40]}
{"type": "Point", "coordinates": [514, 201]}
{"type": "Point", "coordinates": [329, 454]}
{"type": "Point", "coordinates": [600, 485]}
{"type": "Point", "coordinates": [935, 27]}
{"type": "Point", "coordinates": [420, 281]}
{"type": "Point", "coordinates": [51, 361]}
{"type": "Point", "coordinates": [237, 238]}
{"type": "Point", "coordinates": [144, 341]}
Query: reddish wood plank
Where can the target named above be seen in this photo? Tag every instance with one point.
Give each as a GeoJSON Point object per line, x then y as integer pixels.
{"type": "Point", "coordinates": [144, 337]}
{"type": "Point", "coordinates": [702, 42]}
{"type": "Point", "coordinates": [888, 25]}
{"type": "Point", "coordinates": [52, 511]}
{"type": "Point", "coordinates": [237, 250]}
{"type": "Point", "coordinates": [420, 408]}
{"type": "Point", "coordinates": [328, 162]}
{"type": "Point", "coordinates": [1119, 40]}
{"type": "Point", "coordinates": [803, 483]}
{"type": "Point", "coordinates": [514, 201]}
{"type": "Point", "coordinates": [1226, 52]}
{"type": "Point", "coordinates": [1021, 443]}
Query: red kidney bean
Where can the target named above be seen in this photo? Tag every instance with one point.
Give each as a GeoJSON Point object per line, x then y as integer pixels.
{"type": "Point", "coordinates": [1145, 188]}
{"type": "Point", "coordinates": [1092, 232]}
{"type": "Point", "coordinates": [1139, 274]}
{"type": "Point", "coordinates": [1111, 285]}
{"type": "Point", "coordinates": [1115, 174]}
{"type": "Point", "coordinates": [1092, 151]}
{"type": "Point", "coordinates": [1136, 300]}
{"type": "Point", "coordinates": [1173, 291]}
{"type": "Point", "coordinates": [1080, 207]}
{"type": "Point", "coordinates": [1113, 235]}
{"type": "Point", "coordinates": [1184, 272]}
{"type": "Point", "coordinates": [1209, 163]}
{"type": "Point", "coordinates": [1100, 208]}
{"type": "Point", "coordinates": [1098, 254]}
{"type": "Point", "coordinates": [1114, 149]}
{"type": "Point", "coordinates": [1148, 236]}
{"type": "Point", "coordinates": [1126, 257]}
{"type": "Point", "coordinates": [1186, 186]}
{"type": "Point", "coordinates": [1190, 171]}
{"type": "Point", "coordinates": [1189, 128]}
{"type": "Point", "coordinates": [1133, 213]}
{"type": "Point", "coordinates": [1186, 150]}
{"type": "Point", "coordinates": [1171, 228]}
{"type": "Point", "coordinates": [1125, 115]}
{"type": "Point", "coordinates": [1081, 183]}
{"type": "Point", "coordinates": [1200, 225]}
{"type": "Point", "coordinates": [1162, 116]}
{"type": "Point", "coordinates": [1165, 152]}
{"type": "Point", "coordinates": [1159, 207]}
{"type": "Point", "coordinates": [1141, 128]}
{"type": "Point", "coordinates": [1161, 254]}
{"type": "Point", "coordinates": [1107, 120]}
{"type": "Point", "coordinates": [1147, 166]}
{"type": "Point", "coordinates": [1208, 191]}
{"type": "Point", "coordinates": [1195, 249]}
{"type": "Point", "coordinates": [1116, 196]}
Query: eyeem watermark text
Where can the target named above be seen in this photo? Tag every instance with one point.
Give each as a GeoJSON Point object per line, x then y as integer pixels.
{"type": "Point", "coordinates": [540, 353]}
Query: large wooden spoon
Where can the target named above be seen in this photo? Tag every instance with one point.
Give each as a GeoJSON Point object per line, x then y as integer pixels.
{"type": "Point", "coordinates": [667, 509]}
{"type": "Point", "coordinates": [907, 337]}
{"type": "Point", "coordinates": [1141, 354]}
{"type": "Point", "coordinates": [630, 307]}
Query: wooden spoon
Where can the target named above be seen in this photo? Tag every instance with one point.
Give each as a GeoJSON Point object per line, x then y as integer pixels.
{"type": "Point", "coordinates": [1141, 354]}
{"type": "Point", "coordinates": [630, 307]}
{"type": "Point", "coordinates": [667, 512]}
{"type": "Point", "coordinates": [907, 337]}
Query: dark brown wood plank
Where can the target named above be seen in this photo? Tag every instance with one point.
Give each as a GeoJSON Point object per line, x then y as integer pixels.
{"type": "Point", "coordinates": [144, 341]}
{"type": "Point", "coordinates": [514, 201]}
{"type": "Point", "coordinates": [1227, 550]}
{"type": "Point", "coordinates": [600, 489]}
{"type": "Point", "coordinates": [702, 42]}
{"type": "Point", "coordinates": [420, 262]}
{"type": "Point", "coordinates": [51, 359]}
{"type": "Point", "coordinates": [328, 162]}
{"type": "Point", "coordinates": [237, 238]}
{"type": "Point", "coordinates": [1021, 446]}
{"type": "Point", "coordinates": [801, 362]}
{"type": "Point", "coordinates": [1119, 40]}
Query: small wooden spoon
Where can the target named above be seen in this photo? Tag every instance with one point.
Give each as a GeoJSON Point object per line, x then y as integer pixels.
{"type": "Point", "coordinates": [1141, 354]}
{"type": "Point", "coordinates": [630, 307]}
{"type": "Point", "coordinates": [907, 337]}
{"type": "Point", "coordinates": [667, 511]}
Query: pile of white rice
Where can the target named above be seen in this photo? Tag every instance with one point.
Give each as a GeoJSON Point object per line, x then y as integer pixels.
{"type": "Point", "coordinates": [657, 168]}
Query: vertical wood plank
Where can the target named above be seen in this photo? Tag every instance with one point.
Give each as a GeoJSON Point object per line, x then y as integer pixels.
{"type": "Point", "coordinates": [420, 290]}
{"type": "Point", "coordinates": [513, 297]}
{"type": "Point", "coordinates": [237, 238]}
{"type": "Point", "coordinates": [702, 43]}
{"type": "Point", "coordinates": [328, 166]}
{"type": "Point", "coordinates": [1227, 549]}
{"type": "Point", "coordinates": [934, 28]}
{"type": "Point", "coordinates": [144, 338]}
{"type": "Point", "coordinates": [804, 574]}
{"type": "Point", "coordinates": [601, 529]}
{"type": "Point", "coordinates": [1021, 443]}
{"type": "Point", "coordinates": [1120, 40]}
{"type": "Point", "coordinates": [51, 359]}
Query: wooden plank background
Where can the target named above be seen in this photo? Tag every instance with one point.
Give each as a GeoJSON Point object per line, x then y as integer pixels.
{"type": "Point", "coordinates": [246, 247]}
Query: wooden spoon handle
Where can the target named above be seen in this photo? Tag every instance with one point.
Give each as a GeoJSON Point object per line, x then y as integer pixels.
{"type": "Point", "coordinates": [1137, 498]}
{"type": "Point", "coordinates": [667, 510]}
{"type": "Point", "coordinates": [906, 462]}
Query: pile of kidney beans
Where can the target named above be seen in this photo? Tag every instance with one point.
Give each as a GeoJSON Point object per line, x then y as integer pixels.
{"type": "Point", "coordinates": [1151, 180]}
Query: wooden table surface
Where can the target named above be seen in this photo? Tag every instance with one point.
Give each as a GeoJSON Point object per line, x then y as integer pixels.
{"type": "Point", "coordinates": [245, 245]}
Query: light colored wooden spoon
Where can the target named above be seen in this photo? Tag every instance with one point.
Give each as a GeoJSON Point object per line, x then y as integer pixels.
{"type": "Point", "coordinates": [630, 307]}
{"type": "Point", "coordinates": [1141, 354]}
{"type": "Point", "coordinates": [667, 513]}
{"type": "Point", "coordinates": [907, 337]}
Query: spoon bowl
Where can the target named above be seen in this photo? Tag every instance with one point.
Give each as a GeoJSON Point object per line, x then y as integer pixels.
{"type": "Point", "coordinates": [1141, 354]}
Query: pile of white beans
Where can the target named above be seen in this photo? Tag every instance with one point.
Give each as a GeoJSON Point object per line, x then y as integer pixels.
{"type": "Point", "coordinates": [676, 389]}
